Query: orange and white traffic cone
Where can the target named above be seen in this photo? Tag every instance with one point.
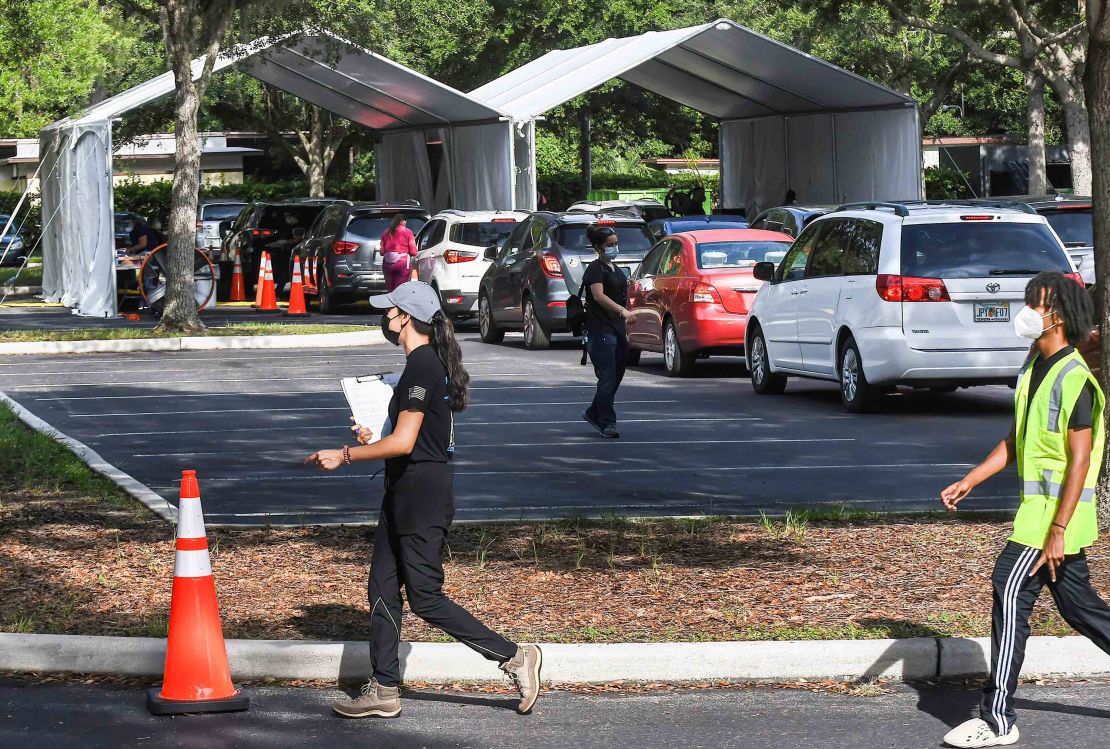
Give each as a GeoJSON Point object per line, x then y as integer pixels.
{"type": "Point", "coordinates": [269, 294]}
{"type": "Point", "coordinates": [197, 677]}
{"type": "Point", "coordinates": [238, 289]}
{"type": "Point", "coordinates": [261, 283]}
{"type": "Point", "coordinates": [296, 306]}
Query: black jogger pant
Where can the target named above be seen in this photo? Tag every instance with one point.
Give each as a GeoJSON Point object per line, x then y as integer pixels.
{"type": "Point", "coordinates": [1014, 595]}
{"type": "Point", "coordinates": [412, 556]}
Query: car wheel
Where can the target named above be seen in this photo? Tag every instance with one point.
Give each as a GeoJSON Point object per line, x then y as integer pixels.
{"type": "Point", "coordinates": [677, 362]}
{"type": "Point", "coordinates": [632, 359]}
{"type": "Point", "coordinates": [535, 337]}
{"type": "Point", "coordinates": [326, 303]}
{"type": "Point", "coordinates": [487, 326]}
{"type": "Point", "coordinates": [764, 381]}
{"type": "Point", "coordinates": [856, 393]}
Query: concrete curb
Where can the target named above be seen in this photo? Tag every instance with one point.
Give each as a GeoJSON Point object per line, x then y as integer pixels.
{"type": "Point", "coordinates": [135, 488]}
{"type": "Point", "coordinates": [22, 290]}
{"type": "Point", "coordinates": [199, 343]}
{"type": "Point", "coordinates": [907, 660]}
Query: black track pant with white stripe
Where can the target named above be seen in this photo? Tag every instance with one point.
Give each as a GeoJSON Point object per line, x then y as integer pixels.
{"type": "Point", "coordinates": [1015, 592]}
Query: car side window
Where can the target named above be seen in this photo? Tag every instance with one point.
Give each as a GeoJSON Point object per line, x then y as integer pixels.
{"type": "Point", "coordinates": [671, 260]}
{"type": "Point", "coordinates": [760, 222]}
{"type": "Point", "coordinates": [537, 233]}
{"type": "Point", "coordinates": [789, 224]}
{"type": "Point", "coordinates": [793, 266]}
{"type": "Point", "coordinates": [650, 264]}
{"type": "Point", "coordinates": [827, 258]}
{"type": "Point", "coordinates": [437, 232]}
{"type": "Point", "coordinates": [862, 258]}
{"type": "Point", "coordinates": [423, 236]}
{"type": "Point", "coordinates": [513, 246]}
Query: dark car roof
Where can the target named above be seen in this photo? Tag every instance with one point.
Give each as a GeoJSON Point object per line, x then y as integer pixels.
{"type": "Point", "coordinates": [687, 223]}
{"type": "Point", "coordinates": [386, 206]}
{"type": "Point", "coordinates": [1037, 202]}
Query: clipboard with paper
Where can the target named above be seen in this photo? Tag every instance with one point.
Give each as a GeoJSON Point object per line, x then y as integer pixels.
{"type": "Point", "coordinates": [369, 397]}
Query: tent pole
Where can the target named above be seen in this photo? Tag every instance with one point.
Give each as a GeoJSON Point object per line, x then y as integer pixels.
{"type": "Point", "coordinates": [585, 153]}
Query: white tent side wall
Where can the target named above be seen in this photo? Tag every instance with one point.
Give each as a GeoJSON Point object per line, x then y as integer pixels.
{"type": "Point", "coordinates": [77, 218]}
{"type": "Point", "coordinates": [828, 158]}
{"type": "Point", "coordinates": [482, 163]}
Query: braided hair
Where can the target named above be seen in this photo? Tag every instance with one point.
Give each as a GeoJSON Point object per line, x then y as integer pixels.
{"type": "Point", "coordinates": [1065, 297]}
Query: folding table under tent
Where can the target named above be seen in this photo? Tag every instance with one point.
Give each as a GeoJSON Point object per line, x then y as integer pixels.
{"type": "Point", "coordinates": [407, 110]}
{"type": "Point", "coordinates": [788, 121]}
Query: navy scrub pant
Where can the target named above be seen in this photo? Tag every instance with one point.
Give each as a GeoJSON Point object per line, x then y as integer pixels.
{"type": "Point", "coordinates": [609, 353]}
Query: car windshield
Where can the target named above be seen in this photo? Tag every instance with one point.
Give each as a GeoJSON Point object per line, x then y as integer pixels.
{"type": "Point", "coordinates": [1075, 226]}
{"type": "Point", "coordinates": [483, 233]}
{"type": "Point", "coordinates": [739, 254]}
{"type": "Point", "coordinates": [633, 239]}
{"type": "Point", "coordinates": [980, 249]}
{"type": "Point", "coordinates": [373, 225]}
{"type": "Point", "coordinates": [4, 222]}
{"type": "Point", "coordinates": [220, 211]}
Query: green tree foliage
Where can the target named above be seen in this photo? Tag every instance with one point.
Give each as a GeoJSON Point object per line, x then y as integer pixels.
{"type": "Point", "coordinates": [51, 55]}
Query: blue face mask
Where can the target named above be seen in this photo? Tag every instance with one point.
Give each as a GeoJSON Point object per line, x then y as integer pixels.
{"type": "Point", "coordinates": [610, 252]}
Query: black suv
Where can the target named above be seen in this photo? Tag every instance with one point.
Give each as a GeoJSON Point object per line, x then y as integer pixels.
{"type": "Point", "coordinates": [340, 254]}
{"type": "Point", "coordinates": [271, 227]}
{"type": "Point", "coordinates": [1069, 216]}
{"type": "Point", "coordinates": [533, 282]}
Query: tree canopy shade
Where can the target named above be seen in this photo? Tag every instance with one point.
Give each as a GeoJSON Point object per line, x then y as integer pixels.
{"type": "Point", "coordinates": [399, 103]}
{"type": "Point", "coordinates": [789, 121]}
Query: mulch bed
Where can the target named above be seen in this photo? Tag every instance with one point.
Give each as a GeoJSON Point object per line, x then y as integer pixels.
{"type": "Point", "coordinates": [77, 566]}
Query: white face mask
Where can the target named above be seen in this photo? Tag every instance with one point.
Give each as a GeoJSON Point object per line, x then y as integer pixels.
{"type": "Point", "coordinates": [1028, 324]}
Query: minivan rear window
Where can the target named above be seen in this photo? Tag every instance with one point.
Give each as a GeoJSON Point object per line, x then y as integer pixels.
{"type": "Point", "coordinates": [980, 249]}
{"type": "Point", "coordinates": [483, 233]}
{"type": "Point", "coordinates": [631, 239]}
{"type": "Point", "coordinates": [374, 225]}
{"type": "Point", "coordinates": [1075, 226]}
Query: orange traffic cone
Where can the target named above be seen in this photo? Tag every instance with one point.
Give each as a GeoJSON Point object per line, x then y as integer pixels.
{"type": "Point", "coordinates": [197, 677]}
{"type": "Point", "coordinates": [238, 289]}
{"type": "Point", "coordinates": [261, 283]}
{"type": "Point", "coordinates": [269, 294]}
{"type": "Point", "coordinates": [296, 307]}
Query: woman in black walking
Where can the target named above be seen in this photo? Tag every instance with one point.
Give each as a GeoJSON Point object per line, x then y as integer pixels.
{"type": "Point", "coordinates": [419, 505]}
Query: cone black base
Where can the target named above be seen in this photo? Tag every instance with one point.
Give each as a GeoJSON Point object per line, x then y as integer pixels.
{"type": "Point", "coordinates": [157, 705]}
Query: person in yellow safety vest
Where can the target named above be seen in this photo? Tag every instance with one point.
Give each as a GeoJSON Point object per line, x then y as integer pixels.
{"type": "Point", "coordinates": [1057, 441]}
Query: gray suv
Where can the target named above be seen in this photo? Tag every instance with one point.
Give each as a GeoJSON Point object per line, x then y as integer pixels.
{"type": "Point", "coordinates": [339, 252]}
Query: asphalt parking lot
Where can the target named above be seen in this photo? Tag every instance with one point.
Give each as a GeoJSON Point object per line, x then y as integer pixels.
{"type": "Point", "coordinates": [707, 445]}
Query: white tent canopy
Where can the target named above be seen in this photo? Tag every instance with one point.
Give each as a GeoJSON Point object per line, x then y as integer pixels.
{"type": "Point", "coordinates": [789, 121]}
{"type": "Point", "coordinates": [408, 109]}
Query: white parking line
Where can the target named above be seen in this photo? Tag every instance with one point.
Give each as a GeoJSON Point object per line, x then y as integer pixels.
{"type": "Point", "coordinates": [459, 424]}
{"type": "Point", "coordinates": [589, 442]}
{"type": "Point", "coordinates": [268, 410]}
{"type": "Point", "coordinates": [287, 392]}
{"type": "Point", "coordinates": [151, 383]}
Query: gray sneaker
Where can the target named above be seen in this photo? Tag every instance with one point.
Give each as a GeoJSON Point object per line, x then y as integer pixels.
{"type": "Point", "coordinates": [376, 701]}
{"type": "Point", "coordinates": [524, 669]}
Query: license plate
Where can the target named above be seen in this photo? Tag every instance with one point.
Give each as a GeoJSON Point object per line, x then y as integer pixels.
{"type": "Point", "coordinates": [992, 312]}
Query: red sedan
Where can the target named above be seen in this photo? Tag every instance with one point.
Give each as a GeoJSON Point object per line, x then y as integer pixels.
{"type": "Point", "coordinates": [691, 294]}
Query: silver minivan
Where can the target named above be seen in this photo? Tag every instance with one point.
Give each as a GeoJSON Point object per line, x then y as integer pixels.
{"type": "Point", "coordinates": [879, 295]}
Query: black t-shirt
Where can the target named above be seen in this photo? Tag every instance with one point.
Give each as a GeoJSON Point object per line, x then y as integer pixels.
{"type": "Point", "coordinates": [423, 387]}
{"type": "Point", "coordinates": [615, 285]}
{"type": "Point", "coordinates": [1082, 415]}
{"type": "Point", "coordinates": [153, 238]}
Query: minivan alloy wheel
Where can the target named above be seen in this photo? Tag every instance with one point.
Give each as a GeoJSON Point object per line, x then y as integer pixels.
{"type": "Point", "coordinates": [849, 374]}
{"type": "Point", "coordinates": [759, 369]}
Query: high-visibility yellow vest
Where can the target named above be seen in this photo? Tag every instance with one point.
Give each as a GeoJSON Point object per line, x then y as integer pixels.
{"type": "Point", "coordinates": [1042, 454]}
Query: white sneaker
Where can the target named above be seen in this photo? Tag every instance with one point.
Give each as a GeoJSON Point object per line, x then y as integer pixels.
{"type": "Point", "coordinates": [978, 732]}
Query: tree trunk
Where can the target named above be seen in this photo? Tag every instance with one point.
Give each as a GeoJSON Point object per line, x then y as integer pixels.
{"type": "Point", "coordinates": [180, 313]}
{"type": "Point", "coordinates": [1098, 106]}
{"type": "Point", "coordinates": [1079, 140]}
{"type": "Point", "coordinates": [317, 168]}
{"type": "Point", "coordinates": [1038, 179]}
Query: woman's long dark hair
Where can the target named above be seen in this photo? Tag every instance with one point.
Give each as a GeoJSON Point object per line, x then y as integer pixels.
{"type": "Point", "coordinates": [1068, 299]}
{"type": "Point", "coordinates": [442, 333]}
{"type": "Point", "coordinates": [395, 223]}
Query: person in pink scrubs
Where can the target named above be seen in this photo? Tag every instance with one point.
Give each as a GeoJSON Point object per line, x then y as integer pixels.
{"type": "Point", "coordinates": [398, 247]}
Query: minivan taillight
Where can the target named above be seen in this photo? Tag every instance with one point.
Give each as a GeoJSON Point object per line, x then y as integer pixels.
{"type": "Point", "coordinates": [550, 265]}
{"type": "Point", "coordinates": [911, 289]}
{"type": "Point", "coordinates": [458, 256]}
{"type": "Point", "coordinates": [341, 247]}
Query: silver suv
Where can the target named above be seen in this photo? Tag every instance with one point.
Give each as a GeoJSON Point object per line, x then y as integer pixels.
{"type": "Point", "coordinates": [878, 295]}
